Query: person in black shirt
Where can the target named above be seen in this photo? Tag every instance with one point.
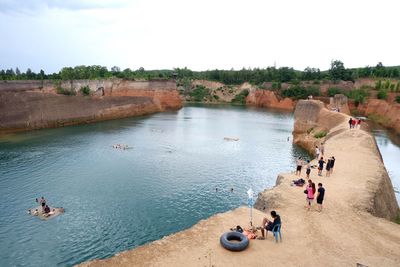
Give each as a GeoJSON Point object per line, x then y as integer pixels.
{"type": "Point", "coordinates": [320, 196]}
{"type": "Point", "coordinates": [269, 225]}
{"type": "Point", "coordinates": [321, 163]}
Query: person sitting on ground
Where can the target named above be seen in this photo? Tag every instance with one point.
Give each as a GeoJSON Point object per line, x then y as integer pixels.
{"type": "Point", "coordinates": [269, 225]}
{"type": "Point", "coordinates": [299, 182]}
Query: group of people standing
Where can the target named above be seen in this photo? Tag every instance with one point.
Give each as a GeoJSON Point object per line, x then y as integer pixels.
{"type": "Point", "coordinates": [354, 123]}
{"type": "Point", "coordinates": [310, 193]}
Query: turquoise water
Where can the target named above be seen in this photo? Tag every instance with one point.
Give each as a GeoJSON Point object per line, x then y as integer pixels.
{"type": "Point", "coordinates": [388, 144]}
{"type": "Point", "coordinates": [119, 199]}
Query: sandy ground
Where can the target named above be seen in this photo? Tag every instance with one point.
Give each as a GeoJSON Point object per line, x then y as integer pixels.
{"type": "Point", "coordinates": [343, 234]}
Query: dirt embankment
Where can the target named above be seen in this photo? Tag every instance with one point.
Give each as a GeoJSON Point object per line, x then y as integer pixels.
{"type": "Point", "coordinates": [378, 197]}
{"type": "Point", "coordinates": [344, 234]}
{"type": "Point", "coordinates": [27, 105]}
{"type": "Point", "coordinates": [268, 99]}
{"type": "Point", "coordinates": [246, 94]}
{"type": "Point", "coordinates": [381, 111]}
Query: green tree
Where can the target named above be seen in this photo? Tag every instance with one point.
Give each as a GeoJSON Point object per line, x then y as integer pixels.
{"type": "Point", "coordinates": [337, 70]}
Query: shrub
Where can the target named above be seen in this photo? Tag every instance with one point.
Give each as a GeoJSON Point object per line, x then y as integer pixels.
{"type": "Point", "coordinates": [378, 118]}
{"type": "Point", "coordinates": [309, 130]}
{"type": "Point", "coordinates": [85, 90]}
{"type": "Point", "coordinates": [359, 96]}
{"type": "Point", "coordinates": [392, 87]}
{"type": "Point", "coordinates": [397, 220]}
{"type": "Point", "coordinates": [332, 91]}
{"type": "Point", "coordinates": [398, 87]}
{"type": "Point", "coordinates": [216, 97]}
{"type": "Point", "coordinates": [199, 93]}
{"type": "Point", "coordinates": [316, 82]}
{"type": "Point", "coordinates": [63, 91]}
{"type": "Point", "coordinates": [398, 99]}
{"type": "Point", "coordinates": [241, 97]}
{"type": "Point", "coordinates": [378, 85]}
{"type": "Point", "coordinates": [387, 84]}
{"type": "Point", "coordinates": [299, 91]}
{"type": "Point", "coordinates": [320, 134]}
{"type": "Point", "coordinates": [382, 94]}
{"type": "Point", "coordinates": [276, 86]}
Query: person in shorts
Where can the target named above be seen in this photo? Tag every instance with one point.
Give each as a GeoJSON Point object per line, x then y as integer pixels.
{"type": "Point", "coordinates": [308, 169]}
{"type": "Point", "coordinates": [332, 164]}
{"type": "Point", "coordinates": [268, 225]}
{"type": "Point", "coordinates": [321, 163]}
{"type": "Point", "coordinates": [328, 167]}
{"type": "Point", "coordinates": [299, 164]}
{"type": "Point", "coordinates": [320, 196]}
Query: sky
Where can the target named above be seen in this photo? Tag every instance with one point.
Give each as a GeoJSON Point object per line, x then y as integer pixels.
{"type": "Point", "coordinates": [200, 35]}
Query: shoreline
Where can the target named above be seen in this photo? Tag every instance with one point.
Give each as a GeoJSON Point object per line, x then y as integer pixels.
{"type": "Point", "coordinates": [345, 233]}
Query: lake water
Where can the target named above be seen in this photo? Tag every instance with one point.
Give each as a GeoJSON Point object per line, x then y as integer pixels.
{"type": "Point", "coordinates": [388, 143]}
{"type": "Point", "coordinates": [119, 199]}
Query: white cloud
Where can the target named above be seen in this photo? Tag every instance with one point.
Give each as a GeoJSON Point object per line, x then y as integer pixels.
{"type": "Point", "coordinates": [201, 34]}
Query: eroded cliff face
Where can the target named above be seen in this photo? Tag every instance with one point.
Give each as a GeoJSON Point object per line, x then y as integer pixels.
{"type": "Point", "coordinates": [388, 114]}
{"type": "Point", "coordinates": [268, 99]}
{"type": "Point", "coordinates": [163, 92]}
{"type": "Point", "coordinates": [27, 105]}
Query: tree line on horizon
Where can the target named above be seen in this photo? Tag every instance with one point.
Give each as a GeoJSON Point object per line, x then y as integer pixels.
{"type": "Point", "coordinates": [255, 76]}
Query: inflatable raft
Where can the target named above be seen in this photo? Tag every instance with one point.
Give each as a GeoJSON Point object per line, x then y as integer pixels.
{"type": "Point", "coordinates": [38, 212]}
{"type": "Point", "coordinates": [231, 139]}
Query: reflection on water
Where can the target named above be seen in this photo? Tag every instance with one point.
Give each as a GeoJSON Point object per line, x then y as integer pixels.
{"type": "Point", "coordinates": [388, 143]}
{"type": "Point", "coordinates": [119, 199]}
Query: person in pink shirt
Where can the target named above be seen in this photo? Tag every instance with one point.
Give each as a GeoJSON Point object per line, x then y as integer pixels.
{"type": "Point", "coordinates": [310, 191]}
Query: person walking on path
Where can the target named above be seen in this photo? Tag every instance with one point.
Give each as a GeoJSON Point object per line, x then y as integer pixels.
{"type": "Point", "coordinates": [332, 164]}
{"type": "Point", "coordinates": [358, 123]}
{"type": "Point", "coordinates": [328, 167]}
{"type": "Point", "coordinates": [299, 164]}
{"type": "Point", "coordinates": [310, 191]}
{"type": "Point", "coordinates": [322, 149]}
{"type": "Point", "coordinates": [317, 152]}
{"type": "Point", "coordinates": [350, 122]}
{"type": "Point", "coordinates": [308, 169]}
{"type": "Point", "coordinates": [321, 163]}
{"type": "Point", "coordinates": [353, 123]}
{"type": "Point", "coordinates": [320, 196]}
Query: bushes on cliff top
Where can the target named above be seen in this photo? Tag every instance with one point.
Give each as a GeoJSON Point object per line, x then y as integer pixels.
{"type": "Point", "coordinates": [300, 92]}
{"type": "Point", "coordinates": [241, 97]}
{"type": "Point", "coordinates": [320, 134]}
{"type": "Point", "coordinates": [359, 95]}
{"type": "Point", "coordinates": [199, 93]}
{"type": "Point", "coordinates": [382, 94]}
{"type": "Point", "coordinates": [332, 91]}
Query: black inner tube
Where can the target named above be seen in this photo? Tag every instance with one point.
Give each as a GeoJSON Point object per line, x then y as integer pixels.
{"type": "Point", "coordinates": [235, 238]}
